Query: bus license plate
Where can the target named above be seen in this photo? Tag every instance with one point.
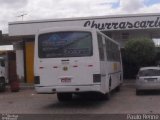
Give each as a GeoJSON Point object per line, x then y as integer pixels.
{"type": "Point", "coordinates": [66, 80]}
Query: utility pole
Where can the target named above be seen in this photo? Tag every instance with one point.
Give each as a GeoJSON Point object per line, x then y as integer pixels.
{"type": "Point", "coordinates": [22, 15]}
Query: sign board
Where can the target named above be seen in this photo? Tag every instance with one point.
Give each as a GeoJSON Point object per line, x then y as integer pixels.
{"type": "Point", "coordinates": [109, 23]}
{"type": "Point", "coordinates": [124, 24]}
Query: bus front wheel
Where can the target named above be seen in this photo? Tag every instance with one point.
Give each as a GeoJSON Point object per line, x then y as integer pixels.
{"type": "Point", "coordinates": [64, 96]}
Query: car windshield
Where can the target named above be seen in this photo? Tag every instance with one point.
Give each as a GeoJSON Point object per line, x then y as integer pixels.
{"type": "Point", "coordinates": [65, 44]}
{"type": "Point", "coordinates": [149, 72]}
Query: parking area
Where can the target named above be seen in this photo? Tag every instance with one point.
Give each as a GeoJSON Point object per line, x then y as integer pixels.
{"type": "Point", "coordinates": [125, 101]}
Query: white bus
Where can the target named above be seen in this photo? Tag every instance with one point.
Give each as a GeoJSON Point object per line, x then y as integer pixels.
{"type": "Point", "coordinates": [76, 60]}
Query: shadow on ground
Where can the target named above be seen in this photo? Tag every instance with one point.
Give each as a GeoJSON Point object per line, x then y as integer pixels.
{"type": "Point", "coordinates": [82, 101]}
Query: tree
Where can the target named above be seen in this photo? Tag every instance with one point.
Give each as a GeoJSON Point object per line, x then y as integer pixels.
{"type": "Point", "coordinates": [139, 52]}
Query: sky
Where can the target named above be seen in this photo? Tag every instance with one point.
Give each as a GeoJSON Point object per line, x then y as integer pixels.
{"type": "Point", "coordinates": [11, 10]}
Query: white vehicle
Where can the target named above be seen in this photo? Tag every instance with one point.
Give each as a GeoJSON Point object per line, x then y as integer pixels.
{"type": "Point", "coordinates": [76, 60]}
{"type": "Point", "coordinates": [148, 78]}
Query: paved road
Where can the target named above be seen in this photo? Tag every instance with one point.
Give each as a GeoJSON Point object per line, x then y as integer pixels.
{"type": "Point", "coordinates": [28, 102]}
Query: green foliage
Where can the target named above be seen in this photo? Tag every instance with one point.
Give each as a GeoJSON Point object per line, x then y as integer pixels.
{"type": "Point", "coordinates": [140, 52]}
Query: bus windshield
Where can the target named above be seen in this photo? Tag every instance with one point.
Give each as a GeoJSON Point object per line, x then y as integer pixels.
{"type": "Point", "coordinates": [65, 44]}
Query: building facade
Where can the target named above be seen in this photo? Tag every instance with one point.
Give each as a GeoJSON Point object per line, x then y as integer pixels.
{"type": "Point", "coordinates": [120, 28]}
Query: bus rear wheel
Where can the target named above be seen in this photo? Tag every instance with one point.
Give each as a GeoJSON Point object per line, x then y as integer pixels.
{"type": "Point", "coordinates": [64, 96]}
{"type": "Point", "coordinates": [106, 96]}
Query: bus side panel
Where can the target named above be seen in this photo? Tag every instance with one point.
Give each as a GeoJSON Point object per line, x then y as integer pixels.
{"type": "Point", "coordinates": [114, 73]}
{"type": "Point", "coordinates": [110, 75]}
{"type": "Point", "coordinates": [104, 77]}
{"type": "Point", "coordinates": [111, 66]}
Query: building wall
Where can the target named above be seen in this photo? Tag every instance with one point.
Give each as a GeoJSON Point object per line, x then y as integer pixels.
{"type": "Point", "coordinates": [20, 64]}
{"type": "Point", "coordinates": [120, 28]}
{"type": "Point", "coordinates": [103, 23]}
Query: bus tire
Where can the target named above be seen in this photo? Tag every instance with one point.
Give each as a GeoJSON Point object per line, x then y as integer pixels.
{"type": "Point", "coordinates": [118, 88]}
{"type": "Point", "coordinates": [64, 96]}
{"type": "Point", "coordinates": [2, 84]}
{"type": "Point", "coordinates": [106, 96]}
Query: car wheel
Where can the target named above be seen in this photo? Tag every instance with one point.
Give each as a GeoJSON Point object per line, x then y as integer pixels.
{"type": "Point", "coordinates": [64, 96]}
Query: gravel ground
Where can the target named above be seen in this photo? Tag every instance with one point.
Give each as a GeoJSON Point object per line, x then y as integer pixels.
{"type": "Point", "coordinates": [26, 101]}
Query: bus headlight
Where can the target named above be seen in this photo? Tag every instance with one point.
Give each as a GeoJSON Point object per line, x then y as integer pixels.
{"type": "Point", "coordinates": [96, 78]}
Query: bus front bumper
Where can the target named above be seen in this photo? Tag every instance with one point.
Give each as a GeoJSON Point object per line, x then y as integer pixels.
{"type": "Point", "coordinates": [72, 89]}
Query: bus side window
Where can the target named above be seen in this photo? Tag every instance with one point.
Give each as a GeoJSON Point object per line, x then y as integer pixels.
{"type": "Point", "coordinates": [112, 50]}
{"type": "Point", "coordinates": [109, 50]}
{"type": "Point", "coordinates": [100, 45]}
